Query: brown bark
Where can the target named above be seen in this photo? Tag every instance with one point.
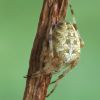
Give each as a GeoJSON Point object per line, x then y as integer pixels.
{"type": "Point", "coordinates": [52, 11]}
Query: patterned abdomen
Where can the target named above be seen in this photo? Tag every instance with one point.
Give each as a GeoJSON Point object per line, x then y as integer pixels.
{"type": "Point", "coordinates": [66, 43]}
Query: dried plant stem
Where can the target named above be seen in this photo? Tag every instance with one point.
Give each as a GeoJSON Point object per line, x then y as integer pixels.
{"type": "Point", "coordinates": [52, 11]}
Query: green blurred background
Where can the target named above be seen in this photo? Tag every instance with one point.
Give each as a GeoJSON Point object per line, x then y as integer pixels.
{"type": "Point", "coordinates": [18, 25]}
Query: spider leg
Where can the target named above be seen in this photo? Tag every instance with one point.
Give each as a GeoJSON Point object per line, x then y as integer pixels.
{"type": "Point", "coordinates": [50, 43]}
{"type": "Point", "coordinates": [62, 75]}
{"type": "Point", "coordinates": [53, 89]}
{"type": "Point", "coordinates": [58, 79]}
{"type": "Point", "coordinates": [75, 25]}
{"type": "Point", "coordinates": [34, 75]}
{"type": "Point", "coordinates": [73, 16]}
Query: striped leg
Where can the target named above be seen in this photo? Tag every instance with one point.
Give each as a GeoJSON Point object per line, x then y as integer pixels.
{"type": "Point", "coordinates": [58, 79]}
{"type": "Point", "coordinates": [73, 16]}
{"type": "Point", "coordinates": [51, 43]}
{"type": "Point", "coordinates": [62, 75]}
{"type": "Point", "coordinates": [75, 24]}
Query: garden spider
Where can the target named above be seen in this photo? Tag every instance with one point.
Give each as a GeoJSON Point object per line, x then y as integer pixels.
{"type": "Point", "coordinates": [68, 48]}
{"type": "Point", "coordinates": [63, 51]}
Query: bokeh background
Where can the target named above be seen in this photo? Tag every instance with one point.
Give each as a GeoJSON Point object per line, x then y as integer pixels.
{"type": "Point", "coordinates": [18, 25]}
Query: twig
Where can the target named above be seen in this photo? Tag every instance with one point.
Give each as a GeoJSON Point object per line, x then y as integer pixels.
{"type": "Point", "coordinates": [52, 11]}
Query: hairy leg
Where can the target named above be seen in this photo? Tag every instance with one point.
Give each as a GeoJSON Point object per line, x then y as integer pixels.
{"type": "Point", "coordinates": [58, 79]}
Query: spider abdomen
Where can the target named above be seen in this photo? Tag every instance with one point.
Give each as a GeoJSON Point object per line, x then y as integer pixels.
{"type": "Point", "coordinates": [66, 43]}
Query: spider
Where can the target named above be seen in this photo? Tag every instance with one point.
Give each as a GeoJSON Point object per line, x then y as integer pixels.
{"type": "Point", "coordinates": [65, 45]}
{"type": "Point", "coordinates": [63, 52]}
